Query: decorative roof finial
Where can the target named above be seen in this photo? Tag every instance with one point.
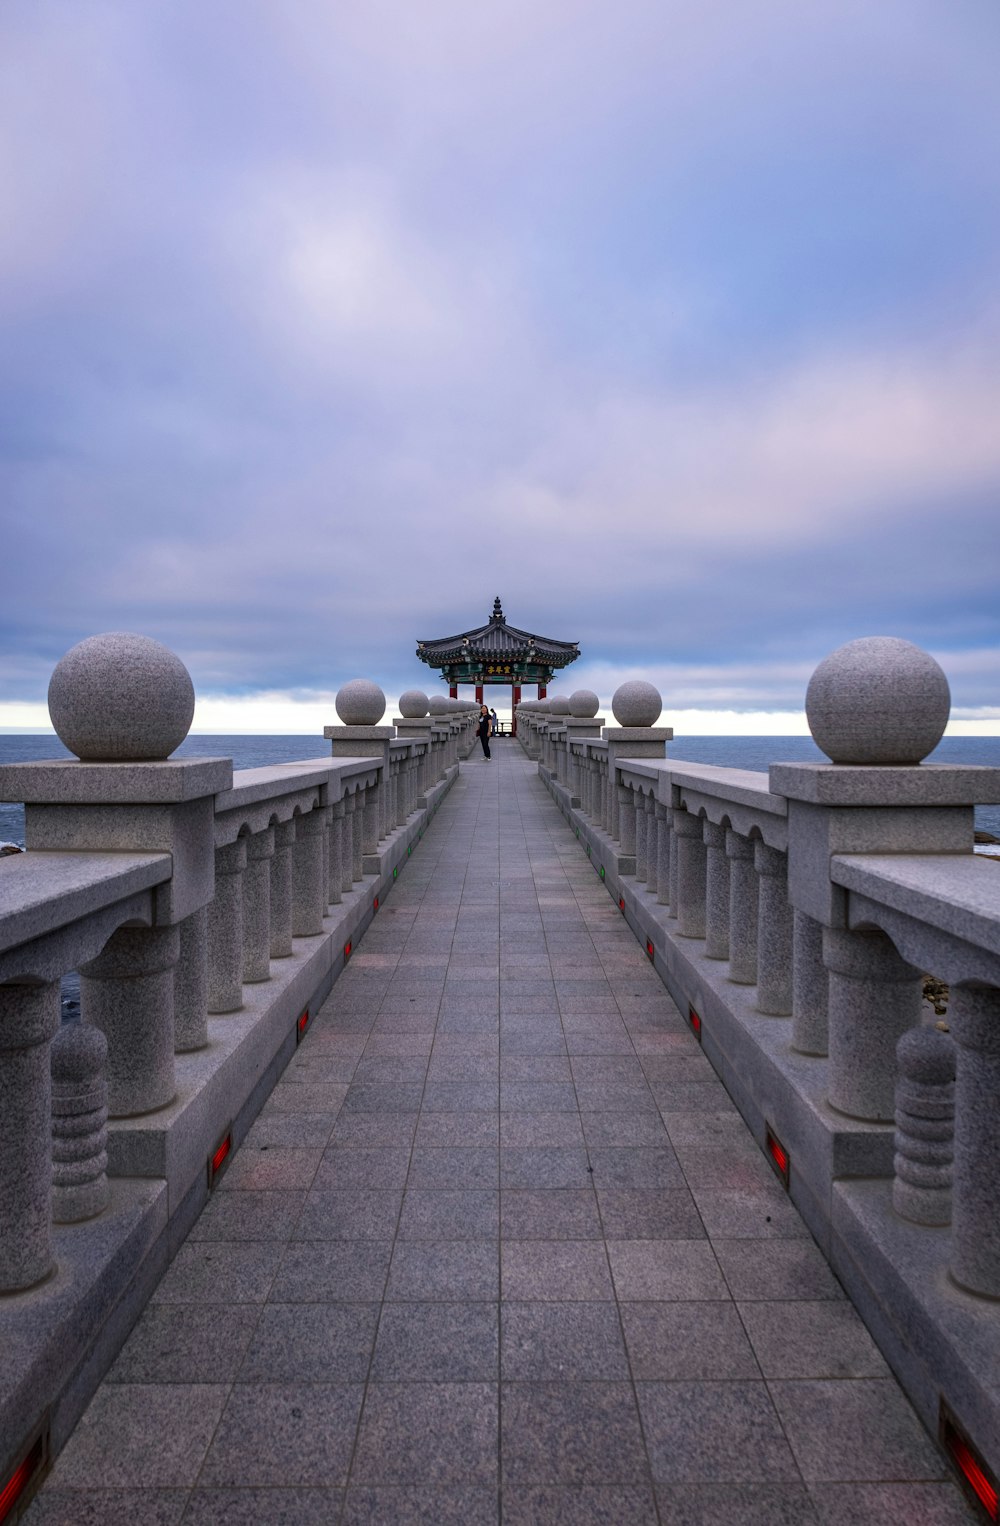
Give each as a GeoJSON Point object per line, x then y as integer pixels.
{"type": "Point", "coordinates": [497, 611]}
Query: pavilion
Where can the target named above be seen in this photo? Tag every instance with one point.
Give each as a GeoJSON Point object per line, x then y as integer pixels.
{"type": "Point", "coordinates": [497, 653]}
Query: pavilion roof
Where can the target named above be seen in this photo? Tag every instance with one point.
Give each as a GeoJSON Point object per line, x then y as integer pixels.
{"type": "Point", "coordinates": [497, 640]}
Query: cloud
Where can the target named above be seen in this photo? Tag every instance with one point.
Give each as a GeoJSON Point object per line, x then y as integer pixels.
{"type": "Point", "coordinates": [675, 325]}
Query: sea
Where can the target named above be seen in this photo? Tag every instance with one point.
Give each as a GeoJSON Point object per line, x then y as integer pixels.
{"type": "Point", "coordinates": [755, 753]}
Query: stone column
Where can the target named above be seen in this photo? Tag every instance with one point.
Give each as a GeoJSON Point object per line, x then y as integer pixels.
{"type": "Point", "coordinates": [774, 932]}
{"type": "Point", "coordinates": [640, 837]}
{"type": "Point", "coordinates": [626, 820]}
{"type": "Point", "coordinates": [370, 818]}
{"type": "Point", "coordinates": [925, 1126]}
{"type": "Point", "coordinates": [308, 885]}
{"type": "Point", "coordinates": [358, 836]}
{"type": "Point", "coordinates": [281, 889]}
{"type": "Point", "coordinates": [347, 846]}
{"type": "Point", "coordinates": [662, 854]}
{"type": "Point", "coordinates": [742, 909]}
{"type": "Point", "coordinates": [29, 1019]}
{"type": "Point", "coordinates": [974, 1015]}
{"type": "Point", "coordinates": [716, 891]}
{"type": "Point", "coordinates": [225, 930]}
{"type": "Point", "coordinates": [191, 984]}
{"type": "Point", "coordinates": [672, 860]}
{"type": "Point", "coordinates": [79, 1123]}
{"type": "Point", "coordinates": [874, 998]}
{"type": "Point", "coordinates": [690, 847]}
{"type": "Point", "coordinates": [335, 891]}
{"type": "Point", "coordinates": [128, 992]}
{"type": "Point", "coordinates": [257, 907]}
{"type": "Point", "coordinates": [810, 987]}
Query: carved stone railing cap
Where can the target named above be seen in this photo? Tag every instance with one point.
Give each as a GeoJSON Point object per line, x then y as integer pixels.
{"type": "Point", "coordinates": [884, 785]}
{"type": "Point", "coordinates": [67, 781]}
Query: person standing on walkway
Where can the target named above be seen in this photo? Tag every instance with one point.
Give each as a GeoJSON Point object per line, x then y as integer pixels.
{"type": "Point", "coordinates": [484, 728]}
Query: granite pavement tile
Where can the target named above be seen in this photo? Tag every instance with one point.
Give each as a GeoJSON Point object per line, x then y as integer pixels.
{"type": "Point", "coordinates": [332, 1271]}
{"type": "Point", "coordinates": [728, 1504]}
{"type": "Point", "coordinates": [555, 1342]}
{"type": "Point", "coordinates": [453, 1166]}
{"type": "Point", "coordinates": [297, 1131]}
{"type": "Point", "coordinates": [186, 1343]}
{"type": "Point", "coordinates": [421, 1507]}
{"type": "Point", "coordinates": [450, 1214]}
{"type": "Point", "coordinates": [594, 1506]}
{"type": "Point", "coordinates": [843, 1504]}
{"type": "Point", "coordinates": [571, 1434]}
{"type": "Point", "coordinates": [649, 1213]}
{"type": "Point", "coordinates": [566, 1213]}
{"type": "Point", "coordinates": [860, 1430]}
{"type": "Point", "coordinates": [375, 1130]}
{"type": "Point", "coordinates": [106, 1507]}
{"type": "Point", "coordinates": [798, 1339]}
{"type": "Point", "coordinates": [437, 1343]}
{"type": "Point", "coordinates": [262, 1215]}
{"type": "Point", "coordinates": [544, 1166]}
{"type": "Point", "coordinates": [220, 1272]}
{"type": "Point", "coordinates": [776, 1269]}
{"type": "Point", "coordinates": [451, 1270]}
{"type": "Point", "coordinates": [311, 1343]}
{"type": "Point", "coordinates": [349, 1213]}
{"type": "Point", "coordinates": [132, 1435]}
{"type": "Point", "coordinates": [263, 1167]}
{"type": "Point", "coordinates": [680, 1340]}
{"type": "Point", "coordinates": [465, 1129]}
{"type": "Point", "coordinates": [554, 1270]}
{"type": "Point", "coordinates": [527, 1130]}
{"type": "Point", "coordinates": [427, 1433]}
{"type": "Point", "coordinates": [709, 1432]}
{"type": "Point", "coordinates": [284, 1434]}
{"type": "Point", "coordinates": [647, 1270]}
{"type": "Point", "coordinates": [276, 1507]}
{"type": "Point", "coordinates": [362, 1166]}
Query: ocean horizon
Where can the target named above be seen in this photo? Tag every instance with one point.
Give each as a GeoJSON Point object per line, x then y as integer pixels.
{"type": "Point", "coordinates": [751, 752]}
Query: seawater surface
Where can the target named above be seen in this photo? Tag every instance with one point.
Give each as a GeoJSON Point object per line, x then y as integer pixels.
{"type": "Point", "coordinates": [755, 753]}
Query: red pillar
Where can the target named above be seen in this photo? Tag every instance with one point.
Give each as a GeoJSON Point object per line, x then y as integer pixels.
{"type": "Point", "coordinates": [453, 691]}
{"type": "Point", "coordinates": [515, 700]}
{"type": "Point", "coordinates": [479, 694]}
{"type": "Point", "coordinates": [541, 691]}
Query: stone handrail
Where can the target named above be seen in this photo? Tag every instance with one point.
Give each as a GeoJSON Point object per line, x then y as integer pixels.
{"type": "Point", "coordinates": [794, 917]}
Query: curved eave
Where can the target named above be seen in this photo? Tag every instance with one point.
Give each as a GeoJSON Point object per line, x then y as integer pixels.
{"type": "Point", "coordinates": [504, 641]}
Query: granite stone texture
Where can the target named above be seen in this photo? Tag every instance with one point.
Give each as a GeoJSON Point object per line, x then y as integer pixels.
{"type": "Point", "coordinates": [878, 700]}
{"type": "Point", "coordinates": [498, 1248]}
{"type": "Point", "coordinates": [120, 697]}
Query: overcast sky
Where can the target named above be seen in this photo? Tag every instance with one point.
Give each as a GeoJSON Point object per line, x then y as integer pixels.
{"type": "Point", "coordinates": [675, 323]}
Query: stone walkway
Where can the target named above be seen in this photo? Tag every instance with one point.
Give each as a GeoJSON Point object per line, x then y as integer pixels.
{"type": "Point", "coordinates": [499, 1247]}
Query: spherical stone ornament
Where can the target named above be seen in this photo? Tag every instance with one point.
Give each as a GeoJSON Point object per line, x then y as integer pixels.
{"type": "Point", "coordinates": [878, 700]}
{"type": "Point", "coordinates": [360, 703]}
{"type": "Point", "coordinates": [437, 704]}
{"type": "Point", "coordinates": [121, 698]}
{"type": "Point", "coordinates": [584, 703]}
{"type": "Point", "coordinates": [636, 703]}
{"type": "Point", "coordinates": [413, 704]}
{"type": "Point", "coordinates": [559, 704]}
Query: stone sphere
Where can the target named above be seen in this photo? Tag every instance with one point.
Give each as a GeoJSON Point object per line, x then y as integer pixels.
{"type": "Point", "coordinates": [121, 698]}
{"type": "Point", "coordinates": [437, 704]}
{"type": "Point", "coordinates": [636, 703]}
{"type": "Point", "coordinates": [413, 704]}
{"type": "Point", "coordinates": [584, 703]}
{"type": "Point", "coordinates": [878, 700]}
{"type": "Point", "coordinates": [559, 704]}
{"type": "Point", "coordinates": [360, 703]}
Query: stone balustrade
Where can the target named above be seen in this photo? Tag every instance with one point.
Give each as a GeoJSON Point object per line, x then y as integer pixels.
{"type": "Point", "coordinates": [205, 911]}
{"type": "Point", "coordinates": [794, 916]}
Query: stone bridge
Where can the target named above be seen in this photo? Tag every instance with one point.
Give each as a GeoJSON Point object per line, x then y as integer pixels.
{"type": "Point", "coordinates": [559, 1137]}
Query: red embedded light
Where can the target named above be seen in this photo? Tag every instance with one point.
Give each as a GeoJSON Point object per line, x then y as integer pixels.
{"type": "Point", "coordinates": [621, 903]}
{"type": "Point", "coordinates": [779, 1155]}
{"type": "Point", "coordinates": [219, 1156]}
{"type": "Point", "coordinates": [375, 905]}
{"type": "Point", "coordinates": [14, 1489]}
{"type": "Point", "coordinates": [972, 1470]}
{"type": "Point", "coordinates": [695, 1022]}
{"type": "Point", "coordinates": [302, 1023]}
{"type": "Point", "coordinates": [650, 950]}
{"type": "Point", "coordinates": [347, 951]}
